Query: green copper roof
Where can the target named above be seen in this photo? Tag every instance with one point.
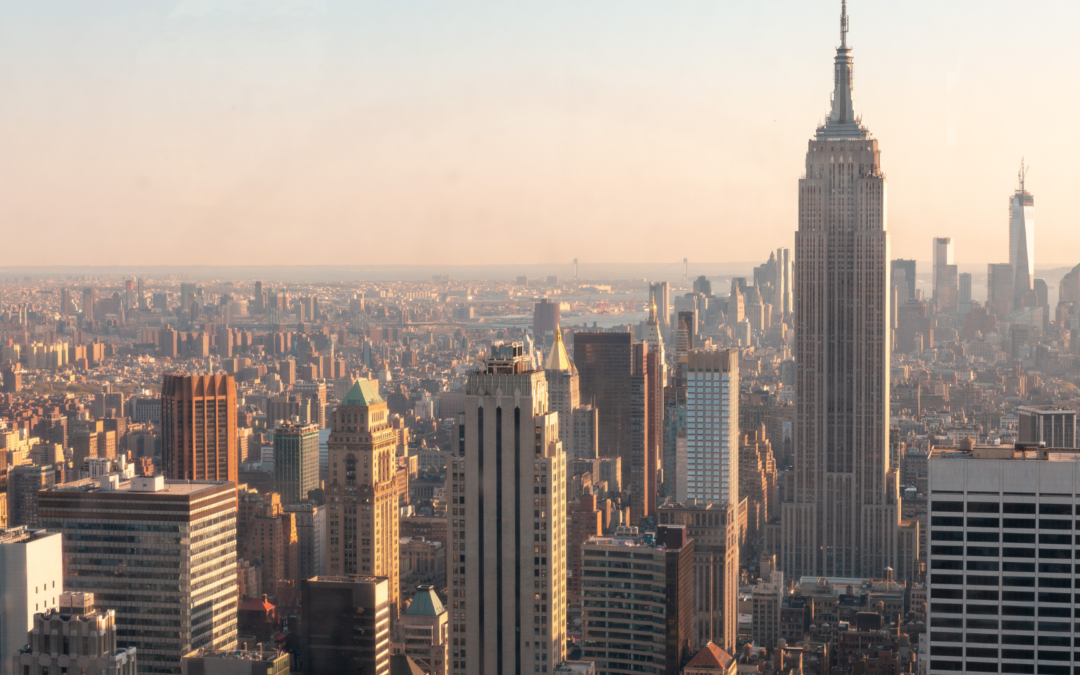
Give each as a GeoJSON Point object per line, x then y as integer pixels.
{"type": "Point", "coordinates": [425, 603]}
{"type": "Point", "coordinates": [363, 393]}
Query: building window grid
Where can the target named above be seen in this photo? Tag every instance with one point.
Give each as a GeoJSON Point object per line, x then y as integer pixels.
{"type": "Point", "coordinates": [1042, 633]}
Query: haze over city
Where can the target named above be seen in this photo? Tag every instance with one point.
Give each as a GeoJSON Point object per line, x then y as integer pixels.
{"type": "Point", "coordinates": [414, 133]}
{"type": "Point", "coordinates": [577, 338]}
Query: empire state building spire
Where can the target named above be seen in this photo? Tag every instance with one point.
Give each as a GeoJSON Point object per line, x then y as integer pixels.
{"type": "Point", "coordinates": [842, 122]}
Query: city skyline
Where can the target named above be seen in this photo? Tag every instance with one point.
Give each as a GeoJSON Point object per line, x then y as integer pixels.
{"type": "Point", "coordinates": [248, 123]}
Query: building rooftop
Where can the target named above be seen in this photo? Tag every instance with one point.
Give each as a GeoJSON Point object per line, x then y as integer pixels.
{"type": "Point", "coordinates": [710, 656]}
{"type": "Point", "coordinates": [363, 393]}
{"type": "Point", "coordinates": [138, 484]}
{"type": "Point", "coordinates": [260, 654]}
{"type": "Point", "coordinates": [1013, 452]}
{"type": "Point", "coordinates": [425, 603]}
{"type": "Point", "coordinates": [21, 535]}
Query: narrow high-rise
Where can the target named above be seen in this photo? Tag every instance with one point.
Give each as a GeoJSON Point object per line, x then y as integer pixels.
{"type": "Point", "coordinates": [507, 523]}
{"type": "Point", "coordinates": [1022, 242]}
{"type": "Point", "coordinates": [842, 514]}
{"type": "Point", "coordinates": [198, 427]}
{"type": "Point", "coordinates": [361, 494]}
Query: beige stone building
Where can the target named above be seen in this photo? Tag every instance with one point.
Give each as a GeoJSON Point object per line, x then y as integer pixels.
{"type": "Point", "coordinates": [507, 511]}
{"type": "Point", "coordinates": [841, 517]}
{"type": "Point", "coordinates": [361, 494]}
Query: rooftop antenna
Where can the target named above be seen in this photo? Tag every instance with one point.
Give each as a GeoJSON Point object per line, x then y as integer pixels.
{"type": "Point", "coordinates": [1023, 175]}
{"type": "Point", "coordinates": [843, 24]}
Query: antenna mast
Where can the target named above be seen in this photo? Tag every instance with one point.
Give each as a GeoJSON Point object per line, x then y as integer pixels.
{"type": "Point", "coordinates": [843, 23]}
{"type": "Point", "coordinates": [1023, 175]}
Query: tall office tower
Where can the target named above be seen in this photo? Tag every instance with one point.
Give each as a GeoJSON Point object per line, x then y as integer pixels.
{"type": "Point", "coordinates": [656, 366]}
{"type": "Point", "coordinates": [1055, 427]}
{"type": "Point", "coordinates": [674, 428]}
{"type": "Point", "coordinates": [586, 521]}
{"type": "Point", "coordinates": [711, 461]}
{"type": "Point", "coordinates": [685, 332]}
{"type": "Point", "coordinates": [736, 306]}
{"type": "Point", "coordinates": [198, 427]}
{"type": "Point", "coordinates": [605, 370]}
{"type": "Point", "coordinates": [964, 290]}
{"type": "Point", "coordinates": [24, 484]}
{"type": "Point", "coordinates": [1041, 292]}
{"type": "Point", "coordinates": [659, 296]}
{"type": "Point", "coordinates": [714, 528]}
{"type": "Point", "coordinates": [296, 461]}
{"type": "Point", "coordinates": [1017, 593]}
{"type": "Point", "coordinates": [1000, 287]}
{"type": "Point", "coordinates": [346, 625]}
{"type": "Point", "coordinates": [784, 276]}
{"type": "Point", "coordinates": [65, 302]}
{"type": "Point", "coordinates": [89, 299]}
{"type": "Point", "coordinates": [310, 521]}
{"type": "Point", "coordinates": [563, 391]}
{"type": "Point", "coordinates": [180, 536]}
{"type": "Point", "coordinates": [843, 512]}
{"type": "Point", "coordinates": [642, 485]}
{"type": "Point", "coordinates": [140, 293]}
{"type": "Point", "coordinates": [314, 391]}
{"type": "Point", "coordinates": [31, 581]}
{"type": "Point", "coordinates": [908, 267]}
{"type": "Point", "coordinates": [75, 635]}
{"type": "Point", "coordinates": [1022, 242]}
{"type": "Point", "coordinates": [361, 494]}
{"type": "Point", "coordinates": [507, 566]}
{"type": "Point", "coordinates": [945, 289]}
{"type": "Point", "coordinates": [942, 256]}
{"type": "Point", "coordinates": [703, 286]}
{"type": "Point", "coordinates": [653, 634]}
{"type": "Point", "coordinates": [545, 318]}
{"type": "Point", "coordinates": [425, 631]}
{"type": "Point", "coordinates": [586, 421]}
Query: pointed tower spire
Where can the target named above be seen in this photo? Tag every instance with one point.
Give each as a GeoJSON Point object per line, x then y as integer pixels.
{"type": "Point", "coordinates": [842, 122]}
{"type": "Point", "coordinates": [557, 358]}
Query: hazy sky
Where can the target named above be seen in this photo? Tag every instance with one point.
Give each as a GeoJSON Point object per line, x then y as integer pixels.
{"type": "Point", "coordinates": [413, 131]}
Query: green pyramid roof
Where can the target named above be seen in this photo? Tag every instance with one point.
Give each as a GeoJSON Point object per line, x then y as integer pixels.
{"type": "Point", "coordinates": [363, 393]}
{"type": "Point", "coordinates": [425, 603]}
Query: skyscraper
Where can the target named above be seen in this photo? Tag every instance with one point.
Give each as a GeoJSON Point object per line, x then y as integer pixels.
{"type": "Point", "coordinates": [178, 537]}
{"type": "Point", "coordinates": [507, 566]}
{"type": "Point", "coordinates": [296, 461]}
{"type": "Point", "coordinates": [31, 581]}
{"type": "Point", "coordinates": [89, 298]}
{"type": "Point", "coordinates": [198, 427]}
{"type": "Point", "coordinates": [842, 515]}
{"type": "Point", "coordinates": [786, 300]}
{"type": "Point", "coordinates": [545, 318]}
{"type": "Point", "coordinates": [711, 464]}
{"type": "Point", "coordinates": [903, 272]}
{"type": "Point", "coordinates": [646, 629]}
{"type": "Point", "coordinates": [361, 494]}
{"type": "Point", "coordinates": [946, 294]}
{"type": "Point", "coordinates": [346, 625]}
{"type": "Point", "coordinates": [605, 366]}
{"type": "Point", "coordinates": [563, 391]}
{"type": "Point", "coordinates": [659, 296]}
{"type": "Point", "coordinates": [1022, 242]}
{"type": "Point", "coordinates": [1000, 289]}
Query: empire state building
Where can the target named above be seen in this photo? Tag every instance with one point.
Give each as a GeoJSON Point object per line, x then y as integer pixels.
{"type": "Point", "coordinates": [842, 518]}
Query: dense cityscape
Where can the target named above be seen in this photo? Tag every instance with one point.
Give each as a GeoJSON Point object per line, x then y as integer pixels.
{"type": "Point", "coordinates": [831, 463]}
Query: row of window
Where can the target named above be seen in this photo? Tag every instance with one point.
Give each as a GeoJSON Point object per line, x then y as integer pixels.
{"type": "Point", "coordinates": [937, 622]}
{"type": "Point", "coordinates": [939, 506]}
